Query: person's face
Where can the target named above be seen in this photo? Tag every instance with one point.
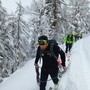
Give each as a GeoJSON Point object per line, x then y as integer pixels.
{"type": "Point", "coordinates": [43, 47]}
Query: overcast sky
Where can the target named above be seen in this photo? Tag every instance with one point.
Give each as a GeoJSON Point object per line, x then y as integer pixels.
{"type": "Point", "coordinates": [11, 5]}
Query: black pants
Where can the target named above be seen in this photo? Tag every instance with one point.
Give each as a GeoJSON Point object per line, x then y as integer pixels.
{"type": "Point", "coordinates": [37, 74]}
{"type": "Point", "coordinates": [68, 47]}
{"type": "Point", "coordinates": [44, 77]}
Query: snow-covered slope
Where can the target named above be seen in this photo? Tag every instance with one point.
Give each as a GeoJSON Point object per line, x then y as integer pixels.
{"type": "Point", "coordinates": [22, 79]}
{"type": "Point", "coordinates": [77, 76]}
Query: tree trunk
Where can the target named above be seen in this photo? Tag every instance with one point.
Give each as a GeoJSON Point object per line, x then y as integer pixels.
{"type": "Point", "coordinates": [53, 10]}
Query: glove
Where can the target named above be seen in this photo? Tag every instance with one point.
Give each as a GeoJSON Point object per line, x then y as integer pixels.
{"type": "Point", "coordinates": [36, 65]}
{"type": "Point", "coordinates": [59, 62]}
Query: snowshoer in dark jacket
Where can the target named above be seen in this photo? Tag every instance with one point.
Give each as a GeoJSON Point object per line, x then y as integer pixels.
{"type": "Point", "coordinates": [78, 36]}
{"type": "Point", "coordinates": [50, 64]}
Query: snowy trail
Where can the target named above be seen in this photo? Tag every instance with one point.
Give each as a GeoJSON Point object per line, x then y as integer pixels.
{"type": "Point", "coordinates": [25, 78]}
{"type": "Point", "coordinates": [78, 75]}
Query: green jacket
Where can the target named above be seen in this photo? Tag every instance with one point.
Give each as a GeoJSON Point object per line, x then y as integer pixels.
{"type": "Point", "coordinates": [69, 40]}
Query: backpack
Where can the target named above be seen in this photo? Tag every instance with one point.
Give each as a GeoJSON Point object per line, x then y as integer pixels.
{"type": "Point", "coordinates": [70, 38]}
{"type": "Point", "coordinates": [53, 43]}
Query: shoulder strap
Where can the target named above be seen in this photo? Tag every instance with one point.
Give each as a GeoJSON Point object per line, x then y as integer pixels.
{"type": "Point", "coordinates": [52, 51]}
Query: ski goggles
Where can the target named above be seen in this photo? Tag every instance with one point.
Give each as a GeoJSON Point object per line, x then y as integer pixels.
{"type": "Point", "coordinates": [42, 42]}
